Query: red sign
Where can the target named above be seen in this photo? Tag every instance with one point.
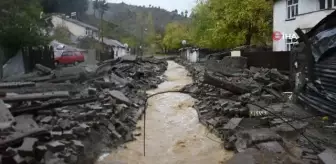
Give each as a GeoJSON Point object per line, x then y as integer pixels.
{"type": "Point", "coordinates": [277, 35]}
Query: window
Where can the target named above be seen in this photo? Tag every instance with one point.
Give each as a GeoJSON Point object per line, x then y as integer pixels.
{"type": "Point", "coordinates": [292, 8]}
{"type": "Point", "coordinates": [66, 54]}
{"type": "Point", "coordinates": [327, 4]}
{"type": "Point", "coordinates": [290, 43]}
{"type": "Point", "coordinates": [88, 32]}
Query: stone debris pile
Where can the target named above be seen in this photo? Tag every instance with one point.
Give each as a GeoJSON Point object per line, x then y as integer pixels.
{"type": "Point", "coordinates": [73, 114]}
{"type": "Point", "coordinates": [250, 110]}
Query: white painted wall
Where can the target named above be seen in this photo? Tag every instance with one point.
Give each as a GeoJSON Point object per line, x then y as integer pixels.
{"type": "Point", "coordinates": [75, 29]}
{"type": "Point", "coordinates": [119, 52]}
{"type": "Point", "coordinates": [235, 53]}
{"type": "Point", "coordinates": [303, 20]}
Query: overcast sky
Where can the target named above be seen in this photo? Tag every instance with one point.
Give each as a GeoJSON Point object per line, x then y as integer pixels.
{"type": "Point", "coordinates": [180, 5]}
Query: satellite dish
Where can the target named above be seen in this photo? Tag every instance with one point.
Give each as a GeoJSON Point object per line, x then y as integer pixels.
{"type": "Point", "coordinates": [184, 42]}
{"type": "Point", "coordinates": [126, 45]}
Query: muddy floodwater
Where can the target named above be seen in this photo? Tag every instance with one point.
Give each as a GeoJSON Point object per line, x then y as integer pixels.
{"type": "Point", "coordinates": [173, 132]}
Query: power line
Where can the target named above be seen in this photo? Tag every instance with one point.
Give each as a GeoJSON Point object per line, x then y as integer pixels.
{"type": "Point", "coordinates": [269, 111]}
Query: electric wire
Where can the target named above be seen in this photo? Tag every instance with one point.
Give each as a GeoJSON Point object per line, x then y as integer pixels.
{"type": "Point", "coordinates": [229, 98]}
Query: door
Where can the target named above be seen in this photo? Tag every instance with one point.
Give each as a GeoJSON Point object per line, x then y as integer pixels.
{"type": "Point", "coordinates": [66, 58]}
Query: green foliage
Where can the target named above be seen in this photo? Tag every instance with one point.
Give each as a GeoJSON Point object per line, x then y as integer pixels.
{"type": "Point", "coordinates": [62, 34]}
{"type": "Point", "coordinates": [89, 43]}
{"type": "Point", "coordinates": [132, 18]}
{"type": "Point", "coordinates": [230, 23]}
{"type": "Point", "coordinates": [174, 34]}
{"type": "Point", "coordinates": [21, 24]}
{"type": "Point", "coordinates": [131, 41]}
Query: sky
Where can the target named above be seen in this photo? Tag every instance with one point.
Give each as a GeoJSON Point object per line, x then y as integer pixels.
{"type": "Point", "coordinates": [180, 5]}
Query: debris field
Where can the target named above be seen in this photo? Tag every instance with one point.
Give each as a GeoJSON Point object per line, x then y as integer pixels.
{"type": "Point", "coordinates": [74, 114]}
{"type": "Point", "coordinates": [251, 110]}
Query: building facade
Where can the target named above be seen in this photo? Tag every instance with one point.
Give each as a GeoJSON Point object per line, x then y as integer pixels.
{"type": "Point", "coordinates": [288, 15]}
{"type": "Point", "coordinates": [77, 28]}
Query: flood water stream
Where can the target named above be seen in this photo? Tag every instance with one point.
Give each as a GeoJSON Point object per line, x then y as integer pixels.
{"type": "Point", "coordinates": [173, 132]}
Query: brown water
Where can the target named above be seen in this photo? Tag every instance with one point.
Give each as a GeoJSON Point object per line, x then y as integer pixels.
{"type": "Point", "coordinates": [173, 133]}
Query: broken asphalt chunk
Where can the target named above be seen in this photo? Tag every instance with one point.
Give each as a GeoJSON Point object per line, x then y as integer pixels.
{"type": "Point", "coordinates": [55, 146]}
{"type": "Point", "coordinates": [254, 136]}
{"type": "Point", "coordinates": [232, 124]}
{"type": "Point", "coordinates": [27, 147]}
{"type": "Point", "coordinates": [120, 96]}
{"type": "Point", "coordinates": [273, 147]}
{"type": "Point", "coordinates": [328, 156]}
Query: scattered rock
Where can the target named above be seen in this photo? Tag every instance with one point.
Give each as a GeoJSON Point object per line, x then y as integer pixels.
{"type": "Point", "coordinates": [27, 147]}
{"type": "Point", "coordinates": [55, 146]}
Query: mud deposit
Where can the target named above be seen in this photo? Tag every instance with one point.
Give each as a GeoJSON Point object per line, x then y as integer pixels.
{"type": "Point", "coordinates": [173, 132]}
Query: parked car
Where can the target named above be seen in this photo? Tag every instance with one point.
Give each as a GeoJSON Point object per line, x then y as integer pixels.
{"type": "Point", "coordinates": [70, 57]}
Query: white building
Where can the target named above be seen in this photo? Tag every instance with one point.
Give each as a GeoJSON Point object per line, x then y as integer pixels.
{"type": "Point", "coordinates": [288, 15]}
{"type": "Point", "coordinates": [77, 28]}
{"type": "Point", "coordinates": [118, 48]}
{"type": "Point", "coordinates": [80, 29]}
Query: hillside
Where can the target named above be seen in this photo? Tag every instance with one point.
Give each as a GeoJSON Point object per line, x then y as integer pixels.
{"type": "Point", "coordinates": [125, 16]}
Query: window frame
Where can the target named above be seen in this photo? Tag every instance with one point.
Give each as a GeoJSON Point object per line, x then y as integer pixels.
{"type": "Point", "coordinates": [327, 4]}
{"type": "Point", "coordinates": [290, 43]}
{"type": "Point", "coordinates": [292, 8]}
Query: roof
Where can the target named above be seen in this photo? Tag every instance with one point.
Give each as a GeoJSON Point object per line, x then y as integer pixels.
{"type": "Point", "coordinates": [112, 42]}
{"type": "Point", "coordinates": [79, 23]}
{"type": "Point", "coordinates": [56, 43]}
{"type": "Point", "coordinates": [325, 23]}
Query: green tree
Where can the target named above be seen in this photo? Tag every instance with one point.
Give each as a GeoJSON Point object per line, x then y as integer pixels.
{"type": "Point", "coordinates": [21, 24]}
{"type": "Point", "coordinates": [202, 26]}
{"type": "Point", "coordinates": [150, 32]}
{"type": "Point", "coordinates": [62, 34]}
{"type": "Point", "coordinates": [65, 6]}
{"type": "Point", "coordinates": [229, 23]}
{"type": "Point", "coordinates": [174, 34]}
{"type": "Point", "coordinates": [130, 41]}
{"type": "Point", "coordinates": [95, 7]}
{"type": "Point", "coordinates": [102, 8]}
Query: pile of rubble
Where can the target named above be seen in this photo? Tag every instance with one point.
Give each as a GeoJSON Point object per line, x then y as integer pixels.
{"type": "Point", "coordinates": [249, 110]}
{"type": "Point", "coordinates": [73, 114]}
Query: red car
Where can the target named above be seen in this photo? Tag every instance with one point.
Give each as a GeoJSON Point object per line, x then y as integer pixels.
{"type": "Point", "coordinates": [70, 57]}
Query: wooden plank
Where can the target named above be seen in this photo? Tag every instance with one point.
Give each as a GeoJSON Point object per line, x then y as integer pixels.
{"type": "Point", "coordinates": [36, 96]}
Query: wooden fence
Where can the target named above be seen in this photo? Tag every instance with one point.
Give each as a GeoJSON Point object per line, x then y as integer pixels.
{"type": "Point", "coordinates": [38, 55]}
{"type": "Point", "coordinates": [279, 60]}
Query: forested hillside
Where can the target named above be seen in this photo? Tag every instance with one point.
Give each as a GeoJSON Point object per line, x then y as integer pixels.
{"type": "Point", "coordinates": [131, 17]}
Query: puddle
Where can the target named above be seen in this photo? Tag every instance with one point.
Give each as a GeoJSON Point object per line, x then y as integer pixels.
{"type": "Point", "coordinates": [173, 133]}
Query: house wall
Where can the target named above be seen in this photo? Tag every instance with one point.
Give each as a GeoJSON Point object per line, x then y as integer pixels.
{"type": "Point", "coordinates": [309, 16]}
{"type": "Point", "coordinates": [75, 29]}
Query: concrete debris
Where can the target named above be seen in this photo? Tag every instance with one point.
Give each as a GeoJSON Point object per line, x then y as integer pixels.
{"type": "Point", "coordinates": [328, 156]}
{"type": "Point", "coordinates": [63, 116]}
{"type": "Point", "coordinates": [249, 109]}
{"type": "Point", "coordinates": [27, 147]}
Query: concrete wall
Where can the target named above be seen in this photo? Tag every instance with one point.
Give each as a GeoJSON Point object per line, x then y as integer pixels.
{"type": "Point", "coordinates": [119, 52]}
{"type": "Point", "coordinates": [309, 16]}
{"type": "Point", "coordinates": [90, 56]}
